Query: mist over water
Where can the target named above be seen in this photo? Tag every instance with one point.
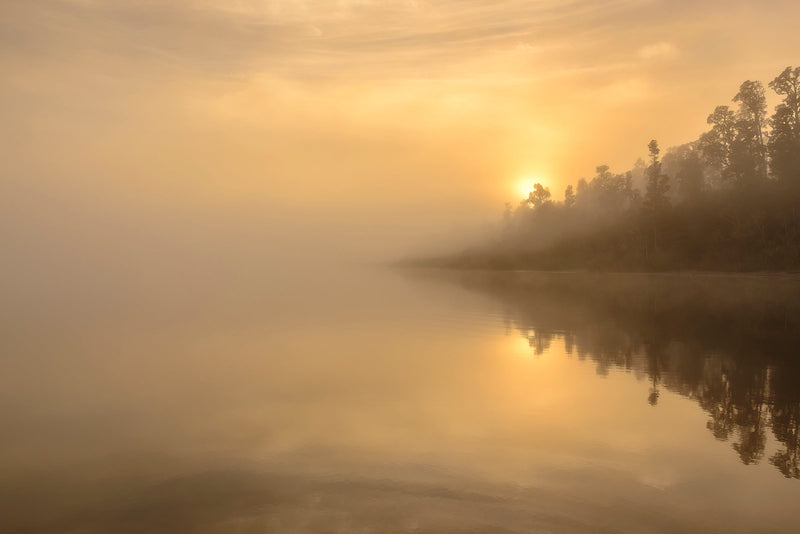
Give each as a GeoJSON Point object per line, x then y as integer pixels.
{"type": "Point", "coordinates": [199, 332]}
{"type": "Point", "coordinates": [325, 398]}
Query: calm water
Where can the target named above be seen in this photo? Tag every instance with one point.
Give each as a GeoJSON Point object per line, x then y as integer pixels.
{"type": "Point", "coordinates": [367, 400]}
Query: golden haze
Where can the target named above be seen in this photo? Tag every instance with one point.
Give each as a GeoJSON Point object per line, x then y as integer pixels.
{"type": "Point", "coordinates": [414, 114]}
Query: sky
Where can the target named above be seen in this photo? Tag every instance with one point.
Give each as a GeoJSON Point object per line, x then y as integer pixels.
{"type": "Point", "coordinates": [351, 127]}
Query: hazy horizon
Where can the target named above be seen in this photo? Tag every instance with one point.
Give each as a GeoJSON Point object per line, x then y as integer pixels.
{"type": "Point", "coordinates": [353, 128]}
{"type": "Point", "coordinates": [202, 329]}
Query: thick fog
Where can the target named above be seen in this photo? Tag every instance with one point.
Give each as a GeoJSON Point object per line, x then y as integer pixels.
{"type": "Point", "coordinates": [152, 145]}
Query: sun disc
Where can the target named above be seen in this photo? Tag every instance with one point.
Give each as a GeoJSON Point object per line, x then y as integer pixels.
{"type": "Point", "coordinates": [524, 187]}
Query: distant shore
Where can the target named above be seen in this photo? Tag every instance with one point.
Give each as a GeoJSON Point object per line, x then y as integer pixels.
{"type": "Point", "coordinates": [453, 263]}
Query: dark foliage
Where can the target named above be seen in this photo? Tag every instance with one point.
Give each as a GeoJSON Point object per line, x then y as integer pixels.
{"type": "Point", "coordinates": [728, 201]}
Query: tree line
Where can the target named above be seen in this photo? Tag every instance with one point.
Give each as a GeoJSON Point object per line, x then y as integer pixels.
{"type": "Point", "coordinates": [726, 201]}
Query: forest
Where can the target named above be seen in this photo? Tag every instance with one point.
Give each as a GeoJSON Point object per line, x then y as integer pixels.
{"type": "Point", "coordinates": [727, 201]}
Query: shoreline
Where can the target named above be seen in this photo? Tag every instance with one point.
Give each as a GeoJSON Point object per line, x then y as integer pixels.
{"type": "Point", "coordinates": [787, 275]}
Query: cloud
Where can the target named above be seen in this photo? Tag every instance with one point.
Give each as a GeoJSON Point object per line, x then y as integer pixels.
{"type": "Point", "coordinates": [311, 39]}
{"type": "Point", "coordinates": [662, 50]}
{"type": "Point", "coordinates": [473, 87]}
{"type": "Point", "coordinates": [623, 92]}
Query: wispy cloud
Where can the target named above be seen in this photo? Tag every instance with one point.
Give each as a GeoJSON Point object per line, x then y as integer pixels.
{"type": "Point", "coordinates": [662, 50]}
{"type": "Point", "coordinates": [394, 37]}
{"type": "Point", "coordinates": [497, 86]}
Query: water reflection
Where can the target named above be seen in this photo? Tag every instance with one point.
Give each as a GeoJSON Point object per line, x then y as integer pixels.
{"type": "Point", "coordinates": [728, 343]}
{"type": "Point", "coordinates": [364, 401]}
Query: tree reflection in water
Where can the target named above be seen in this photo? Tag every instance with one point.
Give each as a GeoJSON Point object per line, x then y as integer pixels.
{"type": "Point", "coordinates": [728, 342]}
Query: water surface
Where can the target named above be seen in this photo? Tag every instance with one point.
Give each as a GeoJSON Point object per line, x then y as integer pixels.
{"type": "Point", "coordinates": [371, 400]}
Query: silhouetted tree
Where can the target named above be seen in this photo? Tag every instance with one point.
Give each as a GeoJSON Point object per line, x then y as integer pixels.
{"type": "Point", "coordinates": [787, 84]}
{"type": "Point", "coordinates": [690, 176]}
{"type": "Point", "coordinates": [655, 199]}
{"type": "Point", "coordinates": [702, 221]}
{"type": "Point", "coordinates": [583, 187]}
{"type": "Point", "coordinates": [657, 182]}
{"type": "Point", "coordinates": [784, 140]}
{"type": "Point", "coordinates": [539, 196]}
{"type": "Point", "coordinates": [607, 193]}
{"type": "Point", "coordinates": [685, 165]}
{"type": "Point", "coordinates": [638, 174]}
{"type": "Point", "coordinates": [748, 153]}
{"type": "Point", "coordinates": [569, 197]}
{"type": "Point", "coordinates": [784, 147]}
{"type": "Point", "coordinates": [716, 144]}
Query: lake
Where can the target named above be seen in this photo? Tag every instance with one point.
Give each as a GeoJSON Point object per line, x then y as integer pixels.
{"type": "Point", "coordinates": [369, 399]}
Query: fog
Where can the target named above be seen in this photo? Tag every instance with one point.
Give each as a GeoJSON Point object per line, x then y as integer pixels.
{"type": "Point", "coordinates": [199, 331]}
{"type": "Point", "coordinates": [146, 142]}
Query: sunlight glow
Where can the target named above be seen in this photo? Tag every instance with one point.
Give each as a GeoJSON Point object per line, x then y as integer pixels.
{"type": "Point", "coordinates": [525, 185]}
{"type": "Point", "coordinates": [519, 347]}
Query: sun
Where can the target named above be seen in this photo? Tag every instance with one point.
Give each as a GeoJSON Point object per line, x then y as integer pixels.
{"type": "Point", "coordinates": [525, 185]}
